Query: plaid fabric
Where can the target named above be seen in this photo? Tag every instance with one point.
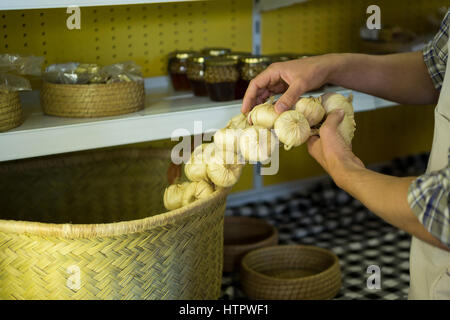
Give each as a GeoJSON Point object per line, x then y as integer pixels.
{"type": "Point", "coordinates": [435, 53]}
{"type": "Point", "coordinates": [429, 199]}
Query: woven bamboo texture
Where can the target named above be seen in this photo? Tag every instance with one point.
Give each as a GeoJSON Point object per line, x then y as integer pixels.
{"type": "Point", "coordinates": [11, 114]}
{"type": "Point", "coordinates": [242, 235]}
{"type": "Point", "coordinates": [96, 219]}
{"type": "Point", "coordinates": [294, 272]}
{"type": "Point", "coordinates": [92, 100]}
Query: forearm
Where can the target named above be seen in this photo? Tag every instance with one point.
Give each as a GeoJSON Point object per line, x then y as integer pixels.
{"type": "Point", "coordinates": [398, 77]}
{"type": "Point", "coordinates": [385, 196]}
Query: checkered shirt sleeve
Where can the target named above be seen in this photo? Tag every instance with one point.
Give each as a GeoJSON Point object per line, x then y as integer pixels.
{"type": "Point", "coordinates": [435, 53]}
{"type": "Point", "coordinates": [429, 199]}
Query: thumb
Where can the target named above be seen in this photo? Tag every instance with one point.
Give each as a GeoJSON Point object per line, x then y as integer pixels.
{"type": "Point", "coordinates": [289, 98]}
{"type": "Point", "coordinates": [333, 120]}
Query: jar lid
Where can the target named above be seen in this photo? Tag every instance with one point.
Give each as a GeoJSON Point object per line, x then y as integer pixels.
{"type": "Point", "coordinates": [220, 62]}
{"type": "Point", "coordinates": [237, 55]}
{"type": "Point", "coordinates": [215, 52]}
{"type": "Point", "coordinates": [182, 54]}
{"type": "Point", "coordinates": [255, 59]}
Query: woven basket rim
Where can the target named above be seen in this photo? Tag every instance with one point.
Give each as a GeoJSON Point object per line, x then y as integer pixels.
{"type": "Point", "coordinates": [292, 281]}
{"type": "Point", "coordinates": [68, 230]}
{"type": "Point", "coordinates": [242, 247]}
{"type": "Point", "coordinates": [92, 85]}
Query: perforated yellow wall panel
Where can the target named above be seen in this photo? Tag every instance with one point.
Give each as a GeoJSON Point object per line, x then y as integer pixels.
{"type": "Point", "coordinates": [143, 33]}
{"type": "Point", "coordinates": [321, 26]}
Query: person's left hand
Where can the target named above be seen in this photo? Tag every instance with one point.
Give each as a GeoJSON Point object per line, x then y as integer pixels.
{"type": "Point", "coordinates": [331, 151]}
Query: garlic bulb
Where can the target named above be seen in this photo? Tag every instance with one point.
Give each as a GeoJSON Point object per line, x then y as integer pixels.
{"type": "Point", "coordinates": [238, 122]}
{"type": "Point", "coordinates": [227, 139]}
{"type": "Point", "coordinates": [292, 129]}
{"type": "Point", "coordinates": [224, 169]}
{"type": "Point", "coordinates": [195, 168]}
{"type": "Point", "coordinates": [312, 109]}
{"type": "Point", "coordinates": [332, 101]}
{"type": "Point", "coordinates": [196, 190]}
{"type": "Point", "coordinates": [173, 195]}
{"type": "Point", "coordinates": [264, 115]}
{"type": "Point", "coordinates": [257, 144]}
{"type": "Point", "coordinates": [347, 128]}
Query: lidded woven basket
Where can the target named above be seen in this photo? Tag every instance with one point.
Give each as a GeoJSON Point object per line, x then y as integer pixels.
{"type": "Point", "coordinates": [11, 114]}
{"type": "Point", "coordinates": [92, 225]}
{"type": "Point", "coordinates": [92, 100]}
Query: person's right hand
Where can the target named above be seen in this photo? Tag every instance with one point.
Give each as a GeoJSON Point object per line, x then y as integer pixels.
{"type": "Point", "coordinates": [294, 78]}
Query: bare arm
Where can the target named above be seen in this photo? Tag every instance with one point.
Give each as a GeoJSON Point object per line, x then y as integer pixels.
{"type": "Point", "coordinates": [398, 77]}
{"type": "Point", "coordinates": [401, 77]}
{"type": "Point", "coordinates": [386, 196]}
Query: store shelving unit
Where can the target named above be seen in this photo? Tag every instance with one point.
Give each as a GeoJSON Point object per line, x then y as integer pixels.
{"type": "Point", "coordinates": [166, 114]}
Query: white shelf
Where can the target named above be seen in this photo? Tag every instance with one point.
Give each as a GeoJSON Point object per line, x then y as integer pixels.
{"type": "Point", "coordinates": [44, 4]}
{"type": "Point", "coordinates": [164, 112]}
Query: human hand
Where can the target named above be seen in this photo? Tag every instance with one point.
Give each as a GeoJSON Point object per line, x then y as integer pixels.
{"type": "Point", "coordinates": [330, 149]}
{"type": "Point", "coordinates": [294, 78]}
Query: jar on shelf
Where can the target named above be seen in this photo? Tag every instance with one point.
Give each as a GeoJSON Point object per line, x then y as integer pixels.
{"type": "Point", "coordinates": [196, 74]}
{"type": "Point", "coordinates": [177, 68]}
{"type": "Point", "coordinates": [215, 52]}
{"type": "Point", "coordinates": [221, 76]}
{"type": "Point", "coordinates": [239, 93]}
{"type": "Point", "coordinates": [250, 67]}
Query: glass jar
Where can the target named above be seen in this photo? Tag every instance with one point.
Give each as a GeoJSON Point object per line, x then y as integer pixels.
{"type": "Point", "coordinates": [215, 52]}
{"type": "Point", "coordinates": [239, 93]}
{"type": "Point", "coordinates": [196, 74]}
{"type": "Point", "coordinates": [221, 76]}
{"type": "Point", "coordinates": [250, 67]}
{"type": "Point", "coordinates": [177, 68]}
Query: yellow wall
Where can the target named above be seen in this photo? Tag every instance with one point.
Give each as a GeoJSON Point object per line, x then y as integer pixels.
{"type": "Point", "coordinates": [321, 26]}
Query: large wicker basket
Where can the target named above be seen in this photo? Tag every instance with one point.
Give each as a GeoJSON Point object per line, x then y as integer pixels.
{"type": "Point", "coordinates": [92, 226]}
{"type": "Point", "coordinates": [92, 100]}
{"type": "Point", "coordinates": [11, 115]}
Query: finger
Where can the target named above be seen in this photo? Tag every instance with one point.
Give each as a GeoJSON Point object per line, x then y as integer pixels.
{"type": "Point", "coordinates": [332, 121]}
{"type": "Point", "coordinates": [263, 97]}
{"type": "Point", "coordinates": [278, 87]}
{"type": "Point", "coordinates": [290, 97]}
{"type": "Point", "coordinates": [256, 87]}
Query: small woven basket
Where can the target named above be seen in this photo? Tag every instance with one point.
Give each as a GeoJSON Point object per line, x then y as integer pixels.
{"type": "Point", "coordinates": [291, 272]}
{"type": "Point", "coordinates": [243, 234]}
{"type": "Point", "coordinates": [92, 100]}
{"type": "Point", "coordinates": [92, 225]}
{"type": "Point", "coordinates": [11, 114]}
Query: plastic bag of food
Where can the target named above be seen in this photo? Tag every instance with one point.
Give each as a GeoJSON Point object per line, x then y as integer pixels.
{"type": "Point", "coordinates": [11, 82]}
{"type": "Point", "coordinates": [21, 65]}
{"type": "Point", "coordinates": [87, 73]}
{"type": "Point", "coordinates": [71, 73]}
